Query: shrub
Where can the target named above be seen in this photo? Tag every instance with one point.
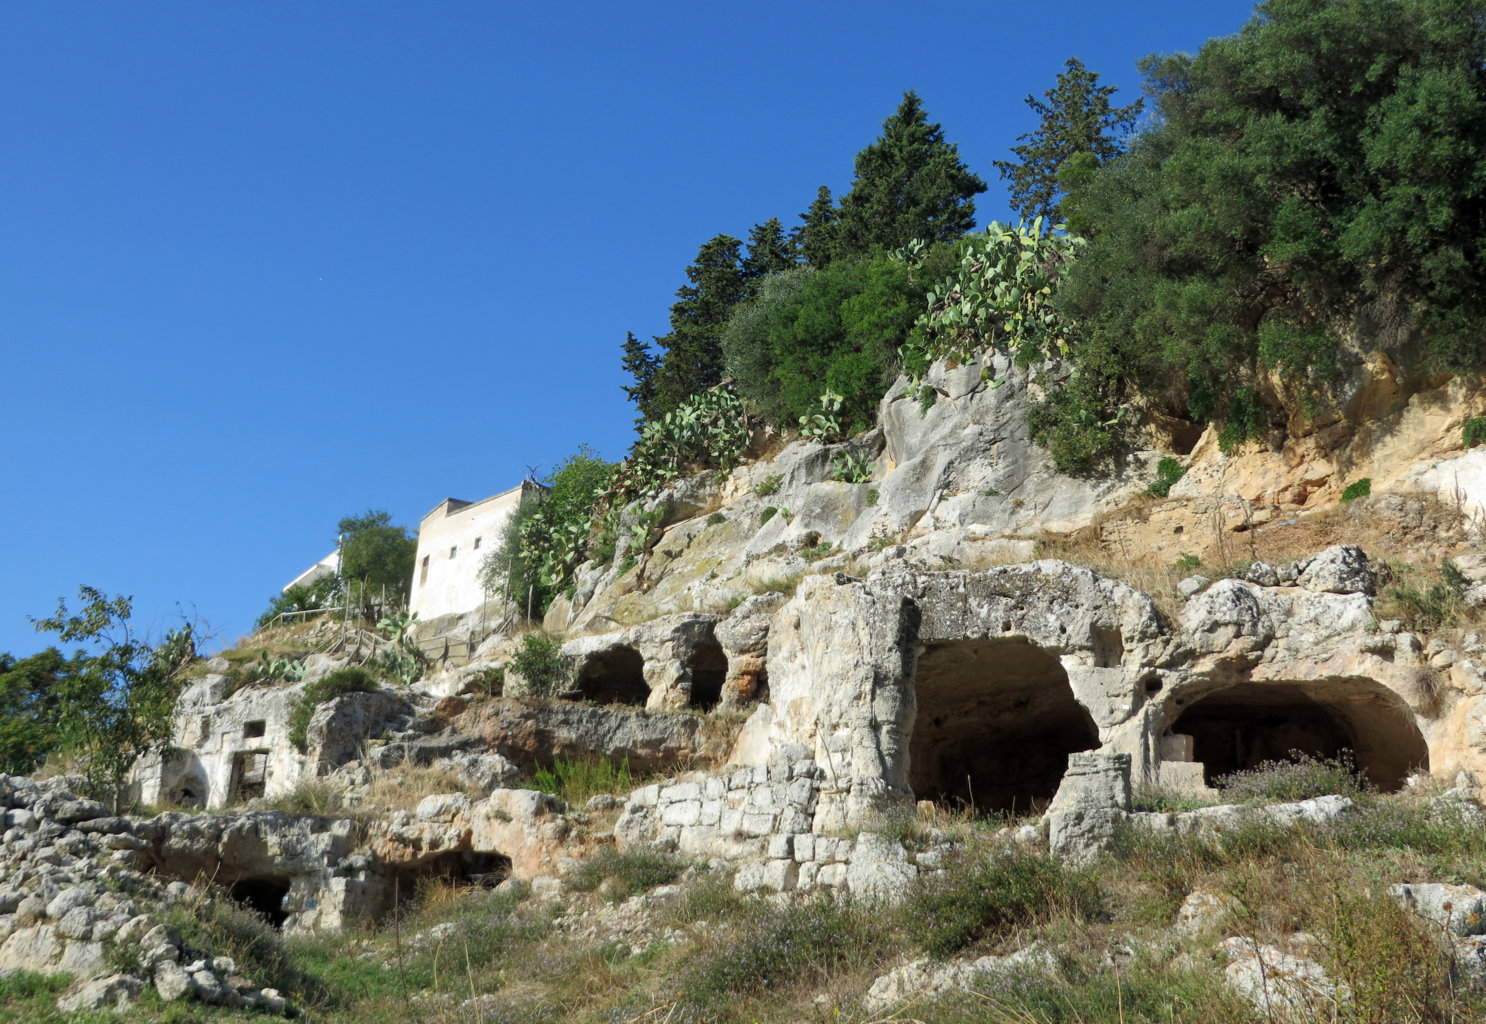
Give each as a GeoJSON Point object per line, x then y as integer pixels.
{"type": "Point", "coordinates": [1301, 777]}
{"type": "Point", "coordinates": [574, 780]}
{"type": "Point", "coordinates": [988, 898]}
{"type": "Point", "coordinates": [716, 519]}
{"type": "Point", "coordinates": [1357, 489]}
{"type": "Point", "coordinates": [766, 514]}
{"type": "Point", "coordinates": [853, 467]}
{"type": "Point", "coordinates": [1168, 472]}
{"type": "Point", "coordinates": [299, 598]}
{"type": "Point", "coordinates": [872, 496]}
{"type": "Point", "coordinates": [541, 663]}
{"type": "Point", "coordinates": [1431, 606]}
{"type": "Point", "coordinates": [628, 873]}
{"type": "Point", "coordinates": [1474, 431]}
{"type": "Point", "coordinates": [336, 684]}
{"type": "Point", "coordinates": [768, 485]}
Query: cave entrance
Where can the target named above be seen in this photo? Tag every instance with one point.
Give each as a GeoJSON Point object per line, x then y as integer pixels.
{"type": "Point", "coordinates": [615, 676]}
{"type": "Point", "coordinates": [454, 867]}
{"type": "Point", "coordinates": [709, 670]}
{"type": "Point", "coordinates": [1241, 726]}
{"type": "Point", "coordinates": [996, 722]}
{"type": "Point", "coordinates": [265, 896]}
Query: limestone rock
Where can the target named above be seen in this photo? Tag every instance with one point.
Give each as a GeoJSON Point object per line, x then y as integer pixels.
{"type": "Point", "coordinates": [1460, 909]}
{"type": "Point", "coordinates": [112, 993]}
{"type": "Point", "coordinates": [927, 980]}
{"type": "Point", "coordinates": [1278, 984]}
{"type": "Point", "coordinates": [1341, 569]}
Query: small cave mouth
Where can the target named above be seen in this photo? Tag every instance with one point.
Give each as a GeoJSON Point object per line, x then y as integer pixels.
{"type": "Point", "coordinates": [996, 720]}
{"type": "Point", "coordinates": [615, 676]}
{"type": "Point", "coordinates": [709, 671]}
{"type": "Point", "coordinates": [472, 868]}
{"type": "Point", "coordinates": [263, 895]}
{"type": "Point", "coordinates": [1240, 727]}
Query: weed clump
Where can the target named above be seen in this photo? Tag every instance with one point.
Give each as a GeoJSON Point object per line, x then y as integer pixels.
{"type": "Point", "coordinates": [1299, 777]}
{"type": "Point", "coordinates": [1168, 472]}
{"type": "Point", "coordinates": [986, 899]}
{"type": "Point", "coordinates": [574, 780]}
{"type": "Point", "coordinates": [627, 873]}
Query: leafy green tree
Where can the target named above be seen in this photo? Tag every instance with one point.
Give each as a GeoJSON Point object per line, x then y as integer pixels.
{"type": "Point", "coordinates": [770, 251]}
{"type": "Point", "coordinates": [378, 554]}
{"type": "Point", "coordinates": [909, 184]}
{"type": "Point", "coordinates": [116, 703]}
{"type": "Point", "coordinates": [31, 708]}
{"type": "Point", "coordinates": [816, 237]}
{"type": "Point", "coordinates": [1315, 176]}
{"type": "Point", "coordinates": [1077, 120]}
{"type": "Point", "coordinates": [299, 598]}
{"type": "Point", "coordinates": [691, 358]}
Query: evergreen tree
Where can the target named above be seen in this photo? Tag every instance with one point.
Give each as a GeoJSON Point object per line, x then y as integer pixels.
{"type": "Point", "coordinates": [1076, 119]}
{"type": "Point", "coordinates": [815, 238]}
{"type": "Point", "coordinates": [770, 251]}
{"type": "Point", "coordinates": [641, 364]}
{"type": "Point", "coordinates": [692, 359]}
{"type": "Point", "coordinates": [909, 184]}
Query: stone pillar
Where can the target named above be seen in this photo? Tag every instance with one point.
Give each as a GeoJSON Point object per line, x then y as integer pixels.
{"type": "Point", "coordinates": [1092, 803]}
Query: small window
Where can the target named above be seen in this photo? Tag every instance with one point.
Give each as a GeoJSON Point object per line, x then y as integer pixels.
{"type": "Point", "coordinates": [477, 543]}
{"type": "Point", "coordinates": [253, 730]}
{"type": "Point", "coordinates": [423, 576]}
{"type": "Point", "coordinates": [454, 550]}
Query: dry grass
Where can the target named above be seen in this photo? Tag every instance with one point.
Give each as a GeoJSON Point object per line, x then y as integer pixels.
{"type": "Point", "coordinates": [402, 788]}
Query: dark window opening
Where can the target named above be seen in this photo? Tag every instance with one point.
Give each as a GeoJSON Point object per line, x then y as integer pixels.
{"type": "Point", "coordinates": [190, 792]}
{"type": "Point", "coordinates": [264, 896]}
{"type": "Point", "coordinates": [615, 676]}
{"type": "Point", "coordinates": [709, 670]}
{"type": "Point", "coordinates": [995, 724]}
{"type": "Point", "coordinates": [423, 573]}
{"type": "Point", "coordinates": [254, 730]}
{"type": "Point", "coordinates": [249, 774]}
{"type": "Point", "coordinates": [1242, 726]}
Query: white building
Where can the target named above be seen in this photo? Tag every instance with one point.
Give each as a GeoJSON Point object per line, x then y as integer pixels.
{"type": "Point", "coordinates": [453, 541]}
{"type": "Point", "coordinates": [330, 565]}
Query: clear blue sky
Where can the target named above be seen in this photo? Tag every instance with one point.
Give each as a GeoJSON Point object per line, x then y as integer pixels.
{"type": "Point", "coordinates": [264, 265]}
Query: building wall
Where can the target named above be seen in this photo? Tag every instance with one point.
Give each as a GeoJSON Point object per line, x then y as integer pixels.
{"type": "Point", "coordinates": [453, 541]}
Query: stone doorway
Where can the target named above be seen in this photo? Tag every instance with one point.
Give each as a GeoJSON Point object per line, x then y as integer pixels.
{"type": "Point", "coordinates": [996, 720]}
{"type": "Point", "coordinates": [1239, 727]}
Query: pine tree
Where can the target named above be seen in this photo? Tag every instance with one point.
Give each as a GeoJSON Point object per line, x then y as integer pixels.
{"type": "Point", "coordinates": [641, 364]}
{"type": "Point", "coordinates": [815, 238]}
{"type": "Point", "coordinates": [692, 358]}
{"type": "Point", "coordinates": [1077, 118]}
{"type": "Point", "coordinates": [770, 251]}
{"type": "Point", "coordinates": [909, 184]}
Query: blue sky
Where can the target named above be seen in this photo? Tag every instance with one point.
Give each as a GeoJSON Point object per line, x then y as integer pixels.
{"type": "Point", "coordinates": [266, 265]}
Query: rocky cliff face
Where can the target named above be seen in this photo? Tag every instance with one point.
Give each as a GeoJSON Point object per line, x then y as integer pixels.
{"type": "Point", "coordinates": [803, 659]}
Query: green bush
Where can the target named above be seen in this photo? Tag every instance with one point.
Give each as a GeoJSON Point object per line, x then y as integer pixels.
{"type": "Point", "coordinates": [839, 327]}
{"type": "Point", "coordinates": [299, 598]}
{"type": "Point", "coordinates": [767, 513]}
{"type": "Point", "coordinates": [1300, 777]}
{"type": "Point", "coordinates": [1474, 431]}
{"type": "Point", "coordinates": [1357, 489]}
{"type": "Point", "coordinates": [628, 873]}
{"type": "Point", "coordinates": [1168, 472]}
{"type": "Point", "coordinates": [989, 897]}
{"type": "Point", "coordinates": [336, 684]}
{"type": "Point", "coordinates": [768, 485]}
{"type": "Point", "coordinates": [541, 663]}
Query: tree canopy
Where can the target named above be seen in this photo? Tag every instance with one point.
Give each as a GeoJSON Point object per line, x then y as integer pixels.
{"type": "Point", "coordinates": [1077, 121]}
{"type": "Point", "coordinates": [376, 551]}
{"type": "Point", "coordinates": [910, 184]}
{"type": "Point", "coordinates": [1316, 176]}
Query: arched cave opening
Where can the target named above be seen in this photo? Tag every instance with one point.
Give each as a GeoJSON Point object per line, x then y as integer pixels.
{"type": "Point", "coordinates": [996, 722]}
{"type": "Point", "coordinates": [709, 670]}
{"type": "Point", "coordinates": [452, 867]}
{"type": "Point", "coordinates": [1239, 727]}
{"type": "Point", "coordinates": [264, 895]}
{"type": "Point", "coordinates": [615, 676]}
